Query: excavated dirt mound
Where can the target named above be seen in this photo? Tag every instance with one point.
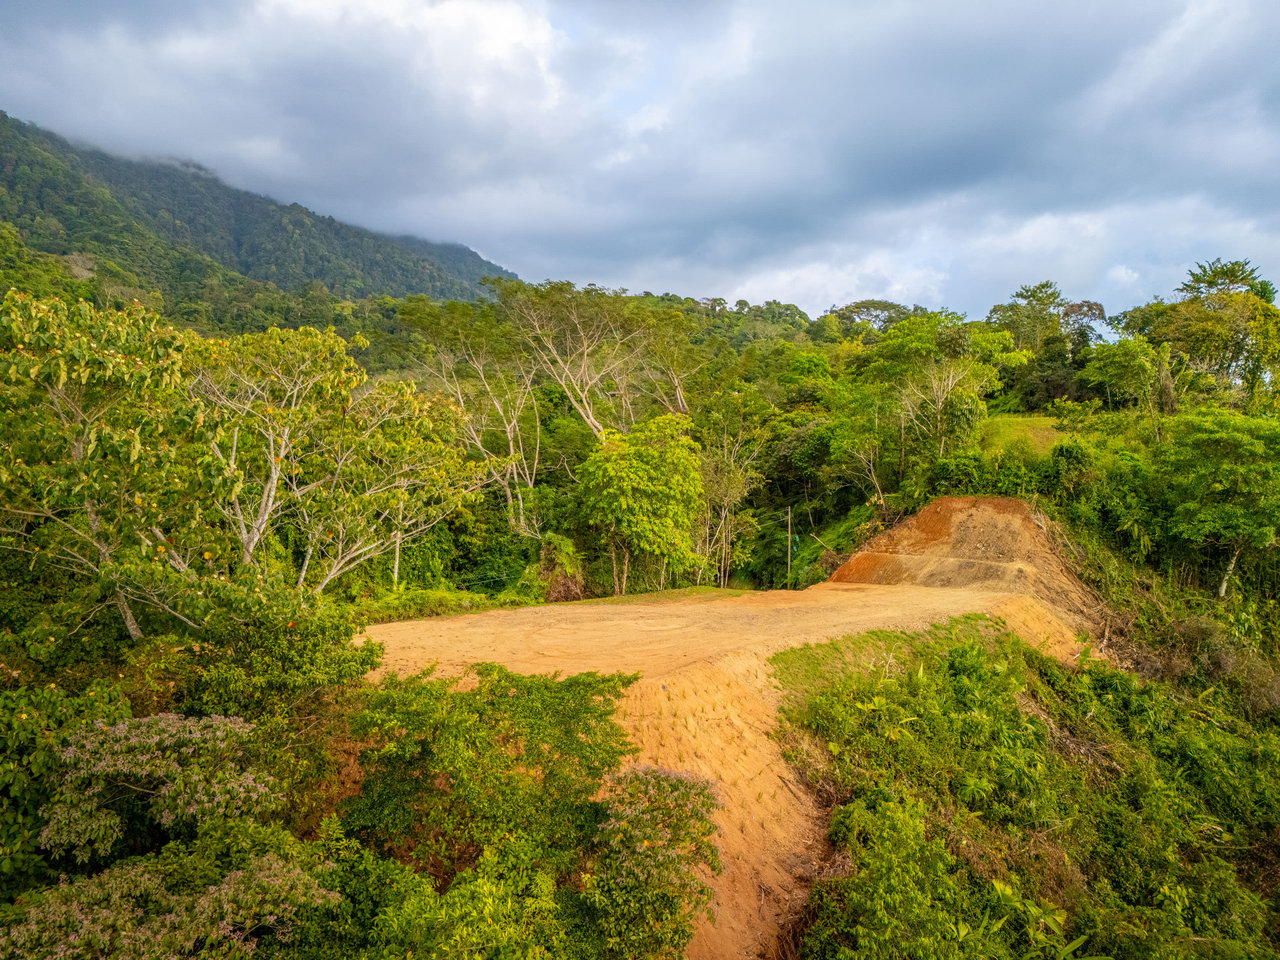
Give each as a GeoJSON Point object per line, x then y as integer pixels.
{"type": "Point", "coordinates": [992, 543]}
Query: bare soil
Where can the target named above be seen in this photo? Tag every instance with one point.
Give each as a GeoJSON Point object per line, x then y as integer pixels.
{"type": "Point", "coordinates": [706, 703]}
{"type": "Point", "coordinates": [996, 543]}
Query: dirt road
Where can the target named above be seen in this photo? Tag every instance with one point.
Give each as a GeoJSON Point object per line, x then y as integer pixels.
{"type": "Point", "coordinates": [657, 637]}
{"type": "Point", "coordinates": [706, 704]}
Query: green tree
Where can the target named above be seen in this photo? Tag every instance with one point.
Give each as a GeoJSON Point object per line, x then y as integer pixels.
{"type": "Point", "coordinates": [731, 444]}
{"type": "Point", "coordinates": [587, 341]}
{"type": "Point", "coordinates": [1224, 324]}
{"type": "Point", "coordinates": [1216, 276]}
{"type": "Point", "coordinates": [97, 436]}
{"type": "Point", "coordinates": [1220, 472]}
{"type": "Point", "coordinates": [357, 467]}
{"type": "Point", "coordinates": [643, 490]}
{"type": "Point", "coordinates": [943, 367]}
{"type": "Point", "coordinates": [1125, 371]}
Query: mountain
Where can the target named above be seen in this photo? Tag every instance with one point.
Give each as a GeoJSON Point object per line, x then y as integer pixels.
{"type": "Point", "coordinates": [175, 228]}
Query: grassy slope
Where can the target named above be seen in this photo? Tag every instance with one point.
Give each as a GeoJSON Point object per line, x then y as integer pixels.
{"type": "Point", "coordinates": [1001, 431]}
{"type": "Point", "coordinates": [993, 803]}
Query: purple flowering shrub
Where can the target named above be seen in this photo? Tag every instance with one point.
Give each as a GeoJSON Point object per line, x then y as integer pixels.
{"type": "Point", "coordinates": [152, 778]}
{"type": "Point", "coordinates": [36, 724]}
{"type": "Point", "coordinates": [647, 885]}
{"type": "Point", "coordinates": [219, 897]}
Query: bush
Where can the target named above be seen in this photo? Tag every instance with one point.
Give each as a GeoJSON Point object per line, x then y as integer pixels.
{"type": "Point", "coordinates": [152, 779]}
{"type": "Point", "coordinates": [418, 603]}
{"type": "Point", "coordinates": [901, 900]}
{"type": "Point", "coordinates": [36, 723]}
{"type": "Point", "coordinates": [645, 886]}
{"type": "Point", "coordinates": [456, 771]}
{"type": "Point", "coordinates": [269, 655]}
{"type": "Point", "coordinates": [215, 898]}
{"type": "Point", "coordinates": [1147, 814]}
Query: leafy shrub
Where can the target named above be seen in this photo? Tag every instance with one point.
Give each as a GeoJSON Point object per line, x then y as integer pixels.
{"type": "Point", "coordinates": [900, 901]}
{"type": "Point", "coordinates": [455, 771]}
{"type": "Point", "coordinates": [560, 570]}
{"type": "Point", "coordinates": [268, 654]}
{"type": "Point", "coordinates": [367, 888]}
{"type": "Point", "coordinates": [36, 723]}
{"type": "Point", "coordinates": [152, 777]}
{"type": "Point", "coordinates": [503, 793]}
{"type": "Point", "coordinates": [1148, 814]}
{"type": "Point", "coordinates": [504, 906]}
{"type": "Point", "coordinates": [215, 898]}
{"type": "Point", "coordinates": [645, 886]}
{"type": "Point", "coordinates": [417, 603]}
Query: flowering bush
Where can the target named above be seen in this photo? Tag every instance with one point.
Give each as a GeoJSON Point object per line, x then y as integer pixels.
{"type": "Point", "coordinates": [647, 888]}
{"type": "Point", "coordinates": [217, 898]}
{"type": "Point", "coordinates": [35, 725]}
{"type": "Point", "coordinates": [149, 779]}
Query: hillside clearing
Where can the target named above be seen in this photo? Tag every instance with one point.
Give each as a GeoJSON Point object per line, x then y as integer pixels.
{"type": "Point", "coordinates": [707, 703]}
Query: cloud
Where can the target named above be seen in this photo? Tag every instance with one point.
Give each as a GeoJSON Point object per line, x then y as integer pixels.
{"type": "Point", "coordinates": [813, 153]}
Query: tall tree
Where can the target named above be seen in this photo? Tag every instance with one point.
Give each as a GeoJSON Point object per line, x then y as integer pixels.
{"type": "Point", "coordinates": [1218, 276]}
{"type": "Point", "coordinates": [480, 366]}
{"type": "Point", "coordinates": [1220, 472]}
{"type": "Point", "coordinates": [356, 467]}
{"type": "Point", "coordinates": [96, 434]}
{"type": "Point", "coordinates": [642, 491]}
{"type": "Point", "coordinates": [1038, 312]}
{"type": "Point", "coordinates": [586, 341]}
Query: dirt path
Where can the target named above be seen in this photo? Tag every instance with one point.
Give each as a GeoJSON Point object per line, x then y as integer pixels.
{"type": "Point", "coordinates": [706, 704]}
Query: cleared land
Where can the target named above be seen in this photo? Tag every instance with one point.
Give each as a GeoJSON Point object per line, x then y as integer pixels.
{"type": "Point", "coordinates": [706, 702]}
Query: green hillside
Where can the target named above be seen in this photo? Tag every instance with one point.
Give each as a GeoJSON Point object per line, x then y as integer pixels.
{"type": "Point", "coordinates": [174, 227]}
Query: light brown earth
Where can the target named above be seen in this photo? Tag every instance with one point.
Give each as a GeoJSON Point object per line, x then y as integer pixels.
{"type": "Point", "coordinates": [706, 703]}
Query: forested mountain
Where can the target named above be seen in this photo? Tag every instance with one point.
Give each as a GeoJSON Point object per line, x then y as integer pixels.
{"type": "Point", "coordinates": [175, 227]}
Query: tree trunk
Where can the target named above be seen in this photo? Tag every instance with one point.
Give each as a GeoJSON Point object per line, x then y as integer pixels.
{"type": "Point", "coordinates": [126, 613]}
{"type": "Point", "coordinates": [613, 558]}
{"type": "Point", "coordinates": [902, 446]}
{"type": "Point", "coordinates": [395, 565]}
{"type": "Point", "coordinates": [626, 568]}
{"type": "Point", "coordinates": [1222, 589]}
{"type": "Point", "coordinates": [726, 546]}
{"type": "Point", "coordinates": [306, 562]}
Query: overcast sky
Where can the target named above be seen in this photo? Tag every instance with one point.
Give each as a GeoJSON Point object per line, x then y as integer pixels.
{"type": "Point", "coordinates": [934, 152]}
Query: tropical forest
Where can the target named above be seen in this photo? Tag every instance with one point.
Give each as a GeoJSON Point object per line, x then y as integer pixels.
{"type": "Point", "coordinates": [360, 599]}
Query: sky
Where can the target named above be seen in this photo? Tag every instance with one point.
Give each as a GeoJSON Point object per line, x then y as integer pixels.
{"type": "Point", "coordinates": [815, 152]}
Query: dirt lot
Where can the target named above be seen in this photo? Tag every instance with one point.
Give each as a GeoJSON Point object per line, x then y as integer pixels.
{"type": "Point", "coordinates": [706, 702]}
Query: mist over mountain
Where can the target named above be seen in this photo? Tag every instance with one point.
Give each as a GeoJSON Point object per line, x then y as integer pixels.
{"type": "Point", "coordinates": [171, 226]}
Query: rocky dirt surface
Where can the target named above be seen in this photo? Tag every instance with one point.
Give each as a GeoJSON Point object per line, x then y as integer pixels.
{"type": "Point", "coordinates": [706, 703]}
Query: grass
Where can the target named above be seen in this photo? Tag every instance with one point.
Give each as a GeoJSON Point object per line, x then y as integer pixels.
{"type": "Point", "coordinates": [808, 670]}
{"type": "Point", "coordinates": [423, 602]}
{"type": "Point", "coordinates": [1009, 806]}
{"type": "Point", "coordinates": [417, 603]}
{"type": "Point", "coordinates": [1038, 432]}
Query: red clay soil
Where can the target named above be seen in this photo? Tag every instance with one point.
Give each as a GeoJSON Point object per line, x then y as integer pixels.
{"type": "Point", "coordinates": [994, 543]}
{"type": "Point", "coordinates": [707, 704]}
